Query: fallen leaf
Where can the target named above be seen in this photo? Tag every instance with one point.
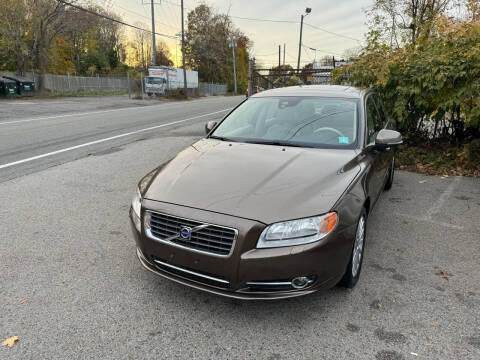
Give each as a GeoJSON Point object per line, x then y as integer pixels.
{"type": "Point", "coordinates": [79, 347]}
{"type": "Point", "coordinates": [422, 181]}
{"type": "Point", "coordinates": [23, 301]}
{"type": "Point", "coordinates": [435, 323]}
{"type": "Point", "coordinates": [414, 354]}
{"type": "Point", "coordinates": [443, 273]}
{"type": "Point", "coordinates": [431, 345]}
{"type": "Point", "coordinates": [379, 305]}
{"type": "Point", "coordinates": [10, 341]}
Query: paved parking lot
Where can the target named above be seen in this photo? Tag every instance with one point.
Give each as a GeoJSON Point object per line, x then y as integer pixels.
{"type": "Point", "coordinates": [66, 248]}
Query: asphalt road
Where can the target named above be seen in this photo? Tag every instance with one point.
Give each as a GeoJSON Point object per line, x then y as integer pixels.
{"type": "Point", "coordinates": [71, 286]}
{"type": "Point", "coordinates": [36, 134]}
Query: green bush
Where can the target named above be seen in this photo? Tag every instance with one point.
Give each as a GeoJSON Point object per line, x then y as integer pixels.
{"type": "Point", "coordinates": [437, 79]}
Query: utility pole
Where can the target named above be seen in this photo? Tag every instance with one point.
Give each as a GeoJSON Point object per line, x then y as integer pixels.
{"type": "Point", "coordinates": [284, 54]}
{"type": "Point", "coordinates": [154, 45]}
{"type": "Point", "coordinates": [307, 11]}
{"type": "Point", "coordinates": [233, 44]}
{"type": "Point", "coordinates": [251, 62]}
{"type": "Point", "coordinates": [279, 55]}
{"type": "Point", "coordinates": [183, 57]}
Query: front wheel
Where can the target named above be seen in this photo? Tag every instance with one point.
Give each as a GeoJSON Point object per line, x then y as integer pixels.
{"type": "Point", "coordinates": [352, 274]}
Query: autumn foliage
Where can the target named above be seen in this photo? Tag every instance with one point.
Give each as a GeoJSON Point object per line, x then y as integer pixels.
{"type": "Point", "coordinates": [432, 86]}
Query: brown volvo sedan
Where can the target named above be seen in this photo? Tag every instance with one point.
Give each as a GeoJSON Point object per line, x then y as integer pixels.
{"type": "Point", "coordinates": [274, 201]}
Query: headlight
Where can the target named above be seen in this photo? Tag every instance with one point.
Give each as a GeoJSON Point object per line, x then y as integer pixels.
{"type": "Point", "coordinates": [135, 211]}
{"type": "Point", "coordinates": [297, 232]}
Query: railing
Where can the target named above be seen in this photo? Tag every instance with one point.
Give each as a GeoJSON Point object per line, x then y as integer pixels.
{"type": "Point", "coordinates": [72, 84]}
{"type": "Point", "coordinates": [212, 89]}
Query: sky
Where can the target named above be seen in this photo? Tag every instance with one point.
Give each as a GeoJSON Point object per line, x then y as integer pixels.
{"type": "Point", "coordinates": [344, 17]}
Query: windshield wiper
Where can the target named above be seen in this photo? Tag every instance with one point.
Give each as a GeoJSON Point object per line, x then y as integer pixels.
{"type": "Point", "coordinates": [275, 142]}
{"type": "Point", "coordinates": [222, 138]}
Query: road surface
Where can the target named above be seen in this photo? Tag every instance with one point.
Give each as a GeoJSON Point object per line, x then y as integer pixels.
{"type": "Point", "coordinates": [50, 137]}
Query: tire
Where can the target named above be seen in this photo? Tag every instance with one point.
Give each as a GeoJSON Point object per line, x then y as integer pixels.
{"type": "Point", "coordinates": [354, 268]}
{"type": "Point", "coordinates": [391, 173]}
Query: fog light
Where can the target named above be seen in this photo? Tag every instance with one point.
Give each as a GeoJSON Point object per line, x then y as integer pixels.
{"type": "Point", "coordinates": [301, 282]}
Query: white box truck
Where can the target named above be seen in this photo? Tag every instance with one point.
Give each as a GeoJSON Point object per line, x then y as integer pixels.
{"type": "Point", "coordinates": [162, 79]}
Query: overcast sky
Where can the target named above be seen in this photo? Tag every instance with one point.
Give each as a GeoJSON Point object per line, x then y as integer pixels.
{"type": "Point", "coordinates": [345, 17]}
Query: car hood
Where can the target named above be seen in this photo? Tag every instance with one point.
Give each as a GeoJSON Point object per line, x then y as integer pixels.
{"type": "Point", "coordinates": [260, 182]}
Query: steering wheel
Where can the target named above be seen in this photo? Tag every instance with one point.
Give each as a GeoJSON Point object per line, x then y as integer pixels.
{"type": "Point", "coordinates": [339, 133]}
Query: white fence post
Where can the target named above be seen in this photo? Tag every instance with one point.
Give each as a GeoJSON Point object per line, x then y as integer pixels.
{"type": "Point", "coordinates": [98, 81]}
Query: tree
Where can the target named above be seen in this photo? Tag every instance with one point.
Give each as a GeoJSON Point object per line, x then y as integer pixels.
{"type": "Point", "coordinates": [206, 46]}
{"type": "Point", "coordinates": [163, 54]}
{"type": "Point", "coordinates": [60, 57]}
{"type": "Point", "coordinates": [16, 32]}
{"type": "Point", "coordinates": [434, 85]}
{"type": "Point", "coordinates": [405, 21]}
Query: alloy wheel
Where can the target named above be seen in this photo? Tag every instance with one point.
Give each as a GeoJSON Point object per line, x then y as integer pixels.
{"type": "Point", "coordinates": [358, 246]}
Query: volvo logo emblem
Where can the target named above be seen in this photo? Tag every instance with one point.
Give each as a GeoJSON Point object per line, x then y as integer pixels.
{"type": "Point", "coordinates": [185, 232]}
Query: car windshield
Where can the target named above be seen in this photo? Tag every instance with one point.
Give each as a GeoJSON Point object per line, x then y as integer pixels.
{"type": "Point", "coordinates": [154, 80]}
{"type": "Point", "coordinates": [294, 121]}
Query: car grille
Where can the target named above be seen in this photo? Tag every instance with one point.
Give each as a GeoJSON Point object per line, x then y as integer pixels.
{"type": "Point", "coordinates": [207, 279]}
{"type": "Point", "coordinates": [213, 239]}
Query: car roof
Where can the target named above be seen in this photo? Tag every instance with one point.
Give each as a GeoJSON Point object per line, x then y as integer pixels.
{"type": "Point", "coordinates": [6, 80]}
{"type": "Point", "coordinates": [315, 90]}
{"type": "Point", "coordinates": [18, 78]}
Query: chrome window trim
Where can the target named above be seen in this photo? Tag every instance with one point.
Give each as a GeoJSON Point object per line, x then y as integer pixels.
{"type": "Point", "coordinates": [150, 235]}
{"type": "Point", "coordinates": [211, 278]}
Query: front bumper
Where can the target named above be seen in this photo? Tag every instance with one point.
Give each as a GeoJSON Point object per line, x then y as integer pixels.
{"type": "Point", "coordinates": [232, 276]}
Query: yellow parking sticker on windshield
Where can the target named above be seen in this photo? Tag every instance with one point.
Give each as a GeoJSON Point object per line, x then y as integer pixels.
{"type": "Point", "coordinates": [343, 140]}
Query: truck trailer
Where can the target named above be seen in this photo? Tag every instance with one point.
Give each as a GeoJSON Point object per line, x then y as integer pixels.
{"type": "Point", "coordinates": [162, 79]}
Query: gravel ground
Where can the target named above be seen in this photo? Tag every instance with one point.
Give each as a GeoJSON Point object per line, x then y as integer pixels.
{"type": "Point", "coordinates": [66, 248]}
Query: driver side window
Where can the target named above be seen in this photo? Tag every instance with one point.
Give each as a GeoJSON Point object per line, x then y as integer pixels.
{"type": "Point", "coordinates": [374, 122]}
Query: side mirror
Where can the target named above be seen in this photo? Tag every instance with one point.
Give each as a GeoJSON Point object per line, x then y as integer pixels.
{"type": "Point", "coordinates": [209, 126]}
{"type": "Point", "coordinates": [387, 138]}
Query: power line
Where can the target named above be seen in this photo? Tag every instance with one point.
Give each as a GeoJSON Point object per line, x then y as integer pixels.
{"type": "Point", "coordinates": [331, 32]}
{"type": "Point", "coordinates": [274, 53]}
{"type": "Point", "coordinates": [143, 16]}
{"type": "Point", "coordinates": [265, 20]}
{"type": "Point", "coordinates": [320, 50]}
{"type": "Point", "coordinates": [171, 15]}
{"type": "Point", "coordinates": [282, 21]}
{"type": "Point", "coordinates": [112, 19]}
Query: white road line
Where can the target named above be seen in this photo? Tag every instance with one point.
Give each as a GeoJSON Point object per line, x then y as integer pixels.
{"type": "Point", "coordinates": [96, 112]}
{"type": "Point", "coordinates": [437, 206]}
{"type": "Point", "coordinates": [441, 223]}
{"type": "Point", "coordinates": [105, 139]}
